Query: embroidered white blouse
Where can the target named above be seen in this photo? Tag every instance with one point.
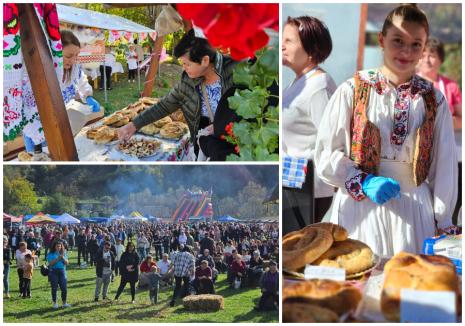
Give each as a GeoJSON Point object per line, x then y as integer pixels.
{"type": "Point", "coordinates": [399, 224]}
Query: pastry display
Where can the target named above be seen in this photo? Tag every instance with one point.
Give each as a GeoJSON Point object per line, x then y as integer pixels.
{"type": "Point", "coordinates": [163, 121]}
{"type": "Point", "coordinates": [305, 246]}
{"type": "Point", "coordinates": [124, 121]}
{"type": "Point", "coordinates": [338, 297]}
{"type": "Point", "coordinates": [91, 133]}
{"type": "Point", "coordinates": [418, 272]}
{"type": "Point", "coordinates": [299, 312]}
{"type": "Point", "coordinates": [173, 129]}
{"type": "Point", "coordinates": [150, 129]}
{"type": "Point", "coordinates": [24, 157]}
{"type": "Point", "coordinates": [352, 255]}
{"type": "Point", "coordinates": [139, 147]}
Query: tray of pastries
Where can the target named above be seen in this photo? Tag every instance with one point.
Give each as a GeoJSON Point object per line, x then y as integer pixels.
{"type": "Point", "coordinates": [139, 147]}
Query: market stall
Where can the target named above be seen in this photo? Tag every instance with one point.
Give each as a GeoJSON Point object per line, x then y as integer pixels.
{"type": "Point", "coordinates": [41, 218]}
{"type": "Point", "coordinates": [163, 140]}
{"type": "Point", "coordinates": [67, 219]}
{"type": "Point", "coordinates": [331, 278]}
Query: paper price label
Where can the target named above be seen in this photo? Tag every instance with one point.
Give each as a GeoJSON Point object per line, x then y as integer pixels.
{"type": "Point", "coordinates": [322, 272]}
{"type": "Point", "coordinates": [427, 306]}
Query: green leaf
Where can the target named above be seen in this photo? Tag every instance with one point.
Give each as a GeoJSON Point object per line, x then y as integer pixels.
{"type": "Point", "coordinates": [272, 112]}
{"type": "Point", "coordinates": [269, 131]}
{"type": "Point", "coordinates": [242, 131]}
{"type": "Point", "coordinates": [242, 75]}
{"type": "Point", "coordinates": [248, 104]}
{"type": "Point", "coordinates": [261, 154]}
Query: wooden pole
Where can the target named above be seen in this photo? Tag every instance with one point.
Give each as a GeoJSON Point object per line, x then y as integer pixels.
{"type": "Point", "coordinates": [362, 35]}
{"type": "Point", "coordinates": [148, 86]}
{"type": "Point", "coordinates": [45, 87]}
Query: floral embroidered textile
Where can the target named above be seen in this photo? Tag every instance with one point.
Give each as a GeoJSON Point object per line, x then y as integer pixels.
{"type": "Point", "coordinates": [354, 186]}
{"type": "Point", "coordinates": [19, 106]}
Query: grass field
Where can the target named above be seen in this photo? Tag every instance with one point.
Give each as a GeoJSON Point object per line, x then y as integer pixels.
{"type": "Point", "coordinates": [124, 93]}
{"type": "Point", "coordinates": [81, 286]}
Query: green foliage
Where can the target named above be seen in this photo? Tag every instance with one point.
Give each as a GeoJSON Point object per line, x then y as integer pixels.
{"type": "Point", "coordinates": [59, 204]}
{"type": "Point", "coordinates": [257, 136]}
{"type": "Point", "coordinates": [452, 65]}
{"type": "Point", "coordinates": [171, 40]}
{"type": "Point", "coordinates": [138, 15]}
{"type": "Point", "coordinates": [19, 197]}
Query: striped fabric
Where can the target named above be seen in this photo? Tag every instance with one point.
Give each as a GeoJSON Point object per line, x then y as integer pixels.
{"type": "Point", "coordinates": [294, 172]}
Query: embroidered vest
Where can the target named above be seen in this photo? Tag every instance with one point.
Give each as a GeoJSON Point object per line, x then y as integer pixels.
{"type": "Point", "coordinates": [365, 149]}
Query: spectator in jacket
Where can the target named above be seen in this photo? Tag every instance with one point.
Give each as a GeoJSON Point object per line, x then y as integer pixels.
{"type": "Point", "coordinates": [184, 269]}
{"type": "Point", "coordinates": [104, 262]}
{"type": "Point", "coordinates": [6, 267]}
{"type": "Point", "coordinates": [129, 270]}
{"type": "Point", "coordinates": [255, 270]}
{"type": "Point", "coordinates": [203, 282]}
{"type": "Point", "coordinates": [81, 243]}
{"type": "Point", "coordinates": [236, 270]}
{"type": "Point", "coordinates": [270, 289]}
{"type": "Point", "coordinates": [92, 247]}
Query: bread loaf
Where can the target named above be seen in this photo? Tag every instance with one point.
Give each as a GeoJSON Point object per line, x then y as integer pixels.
{"type": "Point", "coordinates": [418, 272]}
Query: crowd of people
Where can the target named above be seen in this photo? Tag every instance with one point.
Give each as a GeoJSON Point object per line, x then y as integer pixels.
{"type": "Point", "coordinates": [186, 257]}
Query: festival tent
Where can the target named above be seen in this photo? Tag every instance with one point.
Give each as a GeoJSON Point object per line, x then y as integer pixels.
{"type": "Point", "coordinates": [41, 218]}
{"type": "Point", "coordinates": [227, 218]}
{"type": "Point", "coordinates": [11, 218]}
{"type": "Point", "coordinates": [67, 219]}
{"type": "Point", "coordinates": [135, 214]}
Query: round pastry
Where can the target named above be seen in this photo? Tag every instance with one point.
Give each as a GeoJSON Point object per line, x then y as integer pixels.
{"type": "Point", "coordinates": [338, 232]}
{"type": "Point", "coordinates": [418, 272]}
{"type": "Point", "coordinates": [305, 246]}
{"type": "Point", "coordinates": [150, 129]}
{"type": "Point", "coordinates": [177, 116]}
{"type": "Point", "coordinates": [122, 122]}
{"type": "Point", "coordinates": [336, 296]}
{"type": "Point", "coordinates": [300, 312]}
{"type": "Point", "coordinates": [131, 114]}
{"type": "Point", "coordinates": [149, 101]}
{"type": "Point", "coordinates": [24, 157]}
{"type": "Point", "coordinates": [173, 130]}
{"type": "Point", "coordinates": [91, 133]}
{"type": "Point", "coordinates": [352, 255]}
{"type": "Point", "coordinates": [160, 123]}
{"type": "Point", "coordinates": [113, 119]}
{"type": "Point", "coordinates": [105, 135]}
{"type": "Point", "coordinates": [137, 107]}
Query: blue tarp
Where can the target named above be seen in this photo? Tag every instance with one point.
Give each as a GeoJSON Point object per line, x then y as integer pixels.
{"type": "Point", "coordinates": [94, 219]}
{"type": "Point", "coordinates": [227, 218]}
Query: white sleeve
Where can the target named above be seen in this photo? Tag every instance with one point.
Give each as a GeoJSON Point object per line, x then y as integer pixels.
{"type": "Point", "coordinates": [443, 172]}
{"type": "Point", "coordinates": [316, 109]}
{"type": "Point", "coordinates": [83, 87]}
{"type": "Point", "coordinates": [332, 151]}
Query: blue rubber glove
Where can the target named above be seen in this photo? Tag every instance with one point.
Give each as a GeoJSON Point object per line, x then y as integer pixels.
{"type": "Point", "coordinates": [380, 189]}
{"type": "Point", "coordinates": [93, 103]}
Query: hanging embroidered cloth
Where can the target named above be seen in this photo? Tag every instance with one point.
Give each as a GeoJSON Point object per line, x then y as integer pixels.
{"type": "Point", "coordinates": [19, 106]}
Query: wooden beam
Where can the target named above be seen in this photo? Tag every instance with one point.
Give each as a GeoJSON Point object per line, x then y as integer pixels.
{"type": "Point", "coordinates": [150, 80]}
{"type": "Point", "coordinates": [45, 86]}
{"type": "Point", "coordinates": [362, 35]}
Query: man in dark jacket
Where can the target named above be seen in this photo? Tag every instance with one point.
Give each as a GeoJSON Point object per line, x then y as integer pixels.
{"type": "Point", "coordinates": [104, 262]}
{"type": "Point", "coordinates": [203, 67]}
{"type": "Point", "coordinates": [81, 243]}
{"type": "Point", "coordinates": [207, 243]}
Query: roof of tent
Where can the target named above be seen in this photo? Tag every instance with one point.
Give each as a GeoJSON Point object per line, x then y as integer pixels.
{"type": "Point", "coordinates": [67, 219]}
{"type": "Point", "coordinates": [89, 18]}
{"type": "Point", "coordinates": [11, 218]}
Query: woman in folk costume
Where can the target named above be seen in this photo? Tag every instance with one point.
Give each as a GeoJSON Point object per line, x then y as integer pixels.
{"type": "Point", "coordinates": [73, 85]}
{"type": "Point", "coordinates": [386, 140]}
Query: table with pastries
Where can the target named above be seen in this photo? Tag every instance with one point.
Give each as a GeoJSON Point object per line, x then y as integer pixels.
{"type": "Point", "coordinates": [328, 277]}
{"type": "Point", "coordinates": [164, 140]}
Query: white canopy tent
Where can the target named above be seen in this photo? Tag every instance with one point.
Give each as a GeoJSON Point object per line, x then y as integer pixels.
{"type": "Point", "coordinates": [89, 18]}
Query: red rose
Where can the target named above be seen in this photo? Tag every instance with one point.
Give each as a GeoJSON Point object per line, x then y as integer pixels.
{"type": "Point", "coordinates": [237, 149]}
{"type": "Point", "coordinates": [10, 19]}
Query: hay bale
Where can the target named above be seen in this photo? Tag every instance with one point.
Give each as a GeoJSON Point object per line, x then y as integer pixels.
{"type": "Point", "coordinates": [203, 302]}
